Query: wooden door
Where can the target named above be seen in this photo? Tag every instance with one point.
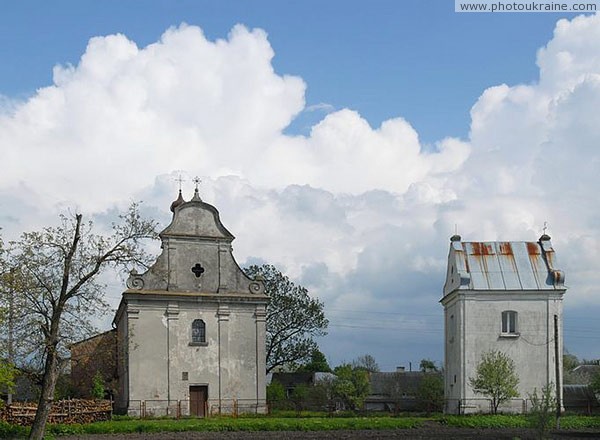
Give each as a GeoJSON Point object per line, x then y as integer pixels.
{"type": "Point", "coordinates": [198, 399]}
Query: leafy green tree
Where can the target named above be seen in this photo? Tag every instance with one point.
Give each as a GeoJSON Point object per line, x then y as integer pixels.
{"type": "Point", "coordinates": [300, 396]}
{"type": "Point", "coordinates": [293, 318]}
{"type": "Point", "coordinates": [317, 364]}
{"type": "Point", "coordinates": [595, 383]}
{"type": "Point", "coordinates": [367, 363]}
{"type": "Point", "coordinates": [98, 386]}
{"type": "Point", "coordinates": [495, 378]}
{"type": "Point", "coordinates": [351, 385]}
{"type": "Point", "coordinates": [427, 366]}
{"type": "Point", "coordinates": [7, 370]}
{"type": "Point", "coordinates": [62, 265]}
{"type": "Point", "coordinates": [543, 407]}
{"type": "Point", "coordinates": [275, 395]}
{"type": "Point", "coordinates": [570, 362]}
{"type": "Point", "coordinates": [320, 395]}
{"type": "Point", "coordinates": [15, 331]}
{"type": "Point", "coordinates": [430, 393]}
{"type": "Point", "coordinates": [7, 375]}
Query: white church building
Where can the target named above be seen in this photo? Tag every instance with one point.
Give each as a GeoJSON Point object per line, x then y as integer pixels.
{"type": "Point", "coordinates": [501, 296]}
{"type": "Point", "coordinates": [191, 330]}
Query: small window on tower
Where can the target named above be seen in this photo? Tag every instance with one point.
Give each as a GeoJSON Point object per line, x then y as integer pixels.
{"type": "Point", "coordinates": [509, 323]}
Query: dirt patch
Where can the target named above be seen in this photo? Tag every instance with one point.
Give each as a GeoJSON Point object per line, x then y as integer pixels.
{"type": "Point", "coordinates": [424, 433]}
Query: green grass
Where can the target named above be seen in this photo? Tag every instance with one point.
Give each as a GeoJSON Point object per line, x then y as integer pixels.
{"type": "Point", "coordinates": [234, 424]}
{"type": "Point", "coordinates": [291, 422]}
{"type": "Point", "coordinates": [251, 424]}
{"type": "Point", "coordinates": [580, 422]}
{"type": "Point", "coordinates": [571, 422]}
{"type": "Point", "coordinates": [486, 421]}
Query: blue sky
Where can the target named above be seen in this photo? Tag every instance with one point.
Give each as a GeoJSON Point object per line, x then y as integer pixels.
{"type": "Point", "coordinates": [385, 58]}
{"type": "Point", "coordinates": [346, 159]}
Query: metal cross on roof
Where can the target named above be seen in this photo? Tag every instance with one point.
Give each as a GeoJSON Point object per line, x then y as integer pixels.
{"type": "Point", "coordinates": [545, 227]}
{"type": "Point", "coordinates": [180, 180]}
{"type": "Point", "coordinates": [197, 181]}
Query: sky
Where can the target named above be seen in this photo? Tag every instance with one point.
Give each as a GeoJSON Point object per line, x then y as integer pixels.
{"type": "Point", "coordinates": [343, 142]}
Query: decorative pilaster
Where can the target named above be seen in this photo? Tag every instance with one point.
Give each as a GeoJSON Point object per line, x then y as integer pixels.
{"type": "Point", "coordinates": [224, 358]}
{"type": "Point", "coordinates": [260, 315]}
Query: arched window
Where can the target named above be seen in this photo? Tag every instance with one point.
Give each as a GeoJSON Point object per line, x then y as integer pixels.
{"type": "Point", "coordinates": [198, 332]}
{"type": "Point", "coordinates": [509, 322]}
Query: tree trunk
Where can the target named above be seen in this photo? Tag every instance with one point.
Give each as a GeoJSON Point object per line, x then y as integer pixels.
{"type": "Point", "coordinates": [46, 396]}
{"type": "Point", "coordinates": [51, 372]}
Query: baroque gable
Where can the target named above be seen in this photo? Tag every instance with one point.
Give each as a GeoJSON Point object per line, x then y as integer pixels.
{"type": "Point", "coordinates": [196, 256]}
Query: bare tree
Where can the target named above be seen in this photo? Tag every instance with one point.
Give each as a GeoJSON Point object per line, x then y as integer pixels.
{"type": "Point", "coordinates": [61, 265]}
{"type": "Point", "coordinates": [367, 363]}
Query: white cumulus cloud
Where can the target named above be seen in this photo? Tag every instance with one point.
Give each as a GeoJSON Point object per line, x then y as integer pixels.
{"type": "Point", "coordinates": [360, 214]}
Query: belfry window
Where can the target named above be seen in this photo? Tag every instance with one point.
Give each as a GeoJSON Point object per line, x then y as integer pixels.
{"type": "Point", "coordinates": [198, 332]}
{"type": "Point", "coordinates": [509, 322]}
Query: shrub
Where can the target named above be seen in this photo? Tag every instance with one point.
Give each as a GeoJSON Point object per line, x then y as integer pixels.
{"type": "Point", "coordinates": [98, 386]}
{"type": "Point", "coordinates": [542, 411]}
{"type": "Point", "coordinates": [12, 431]}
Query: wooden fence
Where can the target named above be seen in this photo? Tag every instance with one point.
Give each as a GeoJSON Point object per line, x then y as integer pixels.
{"type": "Point", "coordinates": [63, 411]}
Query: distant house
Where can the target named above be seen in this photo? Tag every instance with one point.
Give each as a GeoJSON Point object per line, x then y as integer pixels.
{"type": "Point", "coordinates": [97, 354]}
{"type": "Point", "coordinates": [290, 381]}
{"type": "Point", "coordinates": [501, 296]}
{"type": "Point", "coordinates": [395, 391]}
{"type": "Point", "coordinates": [580, 399]}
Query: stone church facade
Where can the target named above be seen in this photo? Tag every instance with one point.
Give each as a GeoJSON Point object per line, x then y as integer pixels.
{"type": "Point", "coordinates": [501, 296]}
{"type": "Point", "coordinates": [191, 329]}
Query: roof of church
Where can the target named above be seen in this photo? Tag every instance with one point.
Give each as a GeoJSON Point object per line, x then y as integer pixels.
{"type": "Point", "coordinates": [195, 218]}
{"type": "Point", "coordinates": [503, 265]}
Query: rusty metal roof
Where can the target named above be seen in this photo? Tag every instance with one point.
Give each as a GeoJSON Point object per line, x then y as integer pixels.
{"type": "Point", "coordinates": [503, 266]}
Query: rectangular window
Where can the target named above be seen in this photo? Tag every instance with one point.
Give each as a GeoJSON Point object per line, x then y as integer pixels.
{"type": "Point", "coordinates": [509, 322]}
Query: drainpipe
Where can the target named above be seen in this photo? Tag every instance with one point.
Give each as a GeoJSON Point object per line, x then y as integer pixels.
{"type": "Point", "coordinates": [168, 359]}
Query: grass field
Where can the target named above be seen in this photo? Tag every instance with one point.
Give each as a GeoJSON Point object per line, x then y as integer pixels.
{"type": "Point", "coordinates": [307, 422]}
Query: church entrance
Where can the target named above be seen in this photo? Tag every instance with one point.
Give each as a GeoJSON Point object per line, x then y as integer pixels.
{"type": "Point", "coordinates": [198, 400]}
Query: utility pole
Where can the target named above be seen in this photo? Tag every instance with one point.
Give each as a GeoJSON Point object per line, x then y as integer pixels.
{"type": "Point", "coordinates": [557, 362]}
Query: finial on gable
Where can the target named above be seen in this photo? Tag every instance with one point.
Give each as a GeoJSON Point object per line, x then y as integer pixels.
{"type": "Point", "coordinates": [455, 237]}
{"type": "Point", "coordinates": [177, 202]}
{"type": "Point", "coordinates": [196, 197]}
{"type": "Point", "coordinates": [545, 237]}
{"type": "Point", "coordinates": [179, 199]}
